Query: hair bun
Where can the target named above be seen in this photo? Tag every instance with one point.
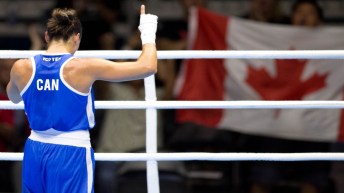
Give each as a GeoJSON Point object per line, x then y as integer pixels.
{"type": "Point", "coordinates": [63, 19]}
{"type": "Point", "coordinates": [63, 16]}
{"type": "Point", "coordinates": [63, 23]}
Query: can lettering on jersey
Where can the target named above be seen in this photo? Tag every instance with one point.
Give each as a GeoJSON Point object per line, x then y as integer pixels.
{"type": "Point", "coordinates": [47, 84]}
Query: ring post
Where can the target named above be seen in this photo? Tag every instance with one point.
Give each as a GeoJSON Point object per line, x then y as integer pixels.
{"type": "Point", "coordinates": [151, 137]}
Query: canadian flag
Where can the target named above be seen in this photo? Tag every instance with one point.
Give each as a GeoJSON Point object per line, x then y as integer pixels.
{"type": "Point", "coordinates": [239, 79]}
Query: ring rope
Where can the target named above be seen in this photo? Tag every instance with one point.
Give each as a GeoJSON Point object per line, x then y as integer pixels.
{"type": "Point", "coordinates": [189, 54]}
{"type": "Point", "coordinates": [314, 156]}
{"type": "Point", "coordinates": [203, 105]}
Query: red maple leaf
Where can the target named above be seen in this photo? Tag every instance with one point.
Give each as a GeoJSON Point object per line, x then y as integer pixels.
{"type": "Point", "coordinates": [287, 84]}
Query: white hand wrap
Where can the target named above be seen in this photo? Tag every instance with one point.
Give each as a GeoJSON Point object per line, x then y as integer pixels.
{"type": "Point", "coordinates": [147, 27]}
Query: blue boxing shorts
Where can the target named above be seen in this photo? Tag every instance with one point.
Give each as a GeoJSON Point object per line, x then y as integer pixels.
{"type": "Point", "coordinates": [57, 167]}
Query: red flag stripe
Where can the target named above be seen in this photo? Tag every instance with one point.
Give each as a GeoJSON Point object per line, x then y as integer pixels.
{"type": "Point", "coordinates": [204, 79]}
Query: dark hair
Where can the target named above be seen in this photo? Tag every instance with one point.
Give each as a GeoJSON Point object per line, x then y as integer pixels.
{"type": "Point", "coordinates": [63, 24]}
{"type": "Point", "coordinates": [315, 4]}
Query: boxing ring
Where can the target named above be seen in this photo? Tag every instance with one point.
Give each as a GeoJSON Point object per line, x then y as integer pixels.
{"type": "Point", "coordinates": [152, 157]}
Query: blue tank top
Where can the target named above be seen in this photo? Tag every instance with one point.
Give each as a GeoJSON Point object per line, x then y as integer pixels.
{"type": "Point", "coordinates": [50, 102]}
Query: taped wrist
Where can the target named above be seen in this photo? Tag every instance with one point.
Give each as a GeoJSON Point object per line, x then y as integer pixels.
{"type": "Point", "coordinates": [148, 27]}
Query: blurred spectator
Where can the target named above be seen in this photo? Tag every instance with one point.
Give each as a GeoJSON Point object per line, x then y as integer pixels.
{"type": "Point", "coordinates": [303, 177]}
{"type": "Point", "coordinates": [7, 129]}
{"type": "Point", "coordinates": [306, 13]}
{"type": "Point", "coordinates": [11, 132]}
{"type": "Point", "coordinates": [266, 11]}
{"type": "Point", "coordinates": [187, 4]}
{"type": "Point", "coordinates": [311, 177]}
{"type": "Point", "coordinates": [7, 116]}
{"type": "Point", "coordinates": [36, 38]}
{"type": "Point", "coordinates": [123, 131]}
{"type": "Point", "coordinates": [172, 35]}
{"type": "Point", "coordinates": [97, 18]}
{"type": "Point", "coordinates": [337, 170]}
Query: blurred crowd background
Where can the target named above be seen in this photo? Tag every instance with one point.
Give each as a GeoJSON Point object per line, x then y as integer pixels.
{"type": "Point", "coordinates": [112, 25]}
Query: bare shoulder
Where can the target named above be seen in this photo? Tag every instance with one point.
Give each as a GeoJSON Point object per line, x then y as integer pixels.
{"type": "Point", "coordinates": [87, 63]}
{"type": "Point", "coordinates": [81, 62]}
{"type": "Point", "coordinates": [90, 61]}
{"type": "Point", "coordinates": [23, 63]}
{"type": "Point", "coordinates": [21, 72]}
{"type": "Point", "coordinates": [22, 66]}
{"type": "Point", "coordinates": [79, 67]}
{"type": "Point", "coordinates": [79, 74]}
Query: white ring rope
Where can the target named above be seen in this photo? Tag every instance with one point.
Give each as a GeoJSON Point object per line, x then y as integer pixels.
{"type": "Point", "coordinates": [188, 54]}
{"type": "Point", "coordinates": [203, 105]}
{"type": "Point", "coordinates": [202, 156]}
